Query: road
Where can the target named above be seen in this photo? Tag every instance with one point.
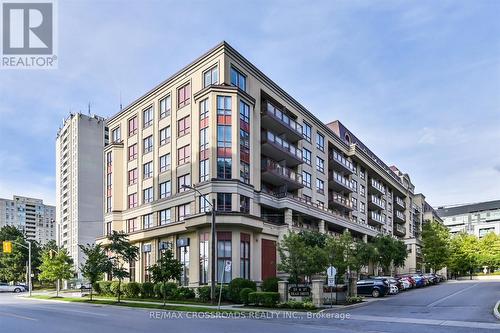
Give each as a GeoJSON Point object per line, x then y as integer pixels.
{"type": "Point", "coordinates": [451, 307]}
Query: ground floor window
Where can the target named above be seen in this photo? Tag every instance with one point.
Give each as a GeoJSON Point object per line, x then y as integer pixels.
{"type": "Point", "coordinates": [131, 270]}
{"type": "Point", "coordinates": [146, 261]}
{"type": "Point", "coordinates": [245, 256]}
{"type": "Point", "coordinates": [224, 256]}
{"type": "Point", "coordinates": [183, 257]}
{"type": "Point", "coordinates": [204, 239]}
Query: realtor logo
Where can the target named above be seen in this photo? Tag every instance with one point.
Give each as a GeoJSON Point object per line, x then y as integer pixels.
{"type": "Point", "coordinates": [28, 34]}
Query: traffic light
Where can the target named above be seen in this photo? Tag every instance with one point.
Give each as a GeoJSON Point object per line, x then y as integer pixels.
{"type": "Point", "coordinates": [7, 247]}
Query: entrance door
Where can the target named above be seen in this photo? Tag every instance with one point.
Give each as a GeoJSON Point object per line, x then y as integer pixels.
{"type": "Point", "coordinates": [268, 259]}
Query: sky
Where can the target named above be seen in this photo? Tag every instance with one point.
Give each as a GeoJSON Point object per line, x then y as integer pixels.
{"type": "Point", "coordinates": [417, 81]}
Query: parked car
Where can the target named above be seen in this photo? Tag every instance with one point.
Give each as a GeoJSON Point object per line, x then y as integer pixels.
{"type": "Point", "coordinates": [395, 285]}
{"type": "Point", "coordinates": [408, 279]}
{"type": "Point", "coordinates": [431, 278]}
{"type": "Point", "coordinates": [374, 287]}
{"type": "Point", "coordinates": [5, 287]}
{"type": "Point", "coordinates": [405, 283]}
{"type": "Point", "coordinates": [420, 281]}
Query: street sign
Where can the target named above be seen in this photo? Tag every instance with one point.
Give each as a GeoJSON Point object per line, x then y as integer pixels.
{"type": "Point", "coordinates": [331, 271]}
{"type": "Point", "coordinates": [331, 281]}
{"type": "Point", "coordinates": [227, 267]}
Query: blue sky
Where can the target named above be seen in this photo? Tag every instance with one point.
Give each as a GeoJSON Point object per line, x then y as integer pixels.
{"type": "Point", "coordinates": [417, 81]}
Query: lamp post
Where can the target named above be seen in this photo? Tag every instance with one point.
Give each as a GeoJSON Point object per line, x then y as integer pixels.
{"type": "Point", "coordinates": [213, 252]}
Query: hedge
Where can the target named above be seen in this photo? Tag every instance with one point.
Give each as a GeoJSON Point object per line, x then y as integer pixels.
{"type": "Point", "coordinates": [184, 293]}
{"type": "Point", "coordinates": [238, 284]}
{"type": "Point", "coordinates": [270, 284]}
{"type": "Point", "coordinates": [132, 289]}
{"type": "Point", "coordinates": [147, 290]}
{"type": "Point", "coordinates": [269, 299]}
{"type": "Point", "coordinates": [204, 293]}
{"type": "Point", "coordinates": [105, 287]}
{"type": "Point", "coordinates": [244, 295]}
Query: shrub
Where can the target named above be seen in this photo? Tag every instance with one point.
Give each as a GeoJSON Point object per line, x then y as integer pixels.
{"type": "Point", "coordinates": [132, 289]}
{"type": "Point", "coordinates": [268, 299]}
{"type": "Point", "coordinates": [96, 288]}
{"type": "Point", "coordinates": [236, 285]}
{"type": "Point", "coordinates": [270, 284]}
{"type": "Point", "coordinates": [204, 293]}
{"type": "Point", "coordinates": [157, 290]}
{"type": "Point", "coordinates": [168, 289]}
{"type": "Point", "coordinates": [105, 287]}
{"type": "Point", "coordinates": [114, 288]}
{"type": "Point", "coordinates": [184, 293]}
{"type": "Point", "coordinates": [147, 290]}
{"type": "Point", "coordinates": [244, 295]}
{"type": "Point", "coordinates": [225, 293]}
{"type": "Point", "coordinates": [354, 299]}
{"type": "Point", "coordinates": [309, 306]}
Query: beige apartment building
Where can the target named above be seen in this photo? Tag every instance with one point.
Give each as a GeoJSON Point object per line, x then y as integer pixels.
{"type": "Point", "coordinates": [224, 127]}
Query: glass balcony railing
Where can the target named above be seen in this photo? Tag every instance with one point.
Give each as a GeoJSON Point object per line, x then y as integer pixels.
{"type": "Point", "coordinates": [346, 182]}
{"type": "Point", "coordinates": [377, 217]}
{"type": "Point", "coordinates": [282, 144]}
{"type": "Point", "coordinates": [400, 202]}
{"type": "Point", "coordinates": [377, 201]}
{"type": "Point", "coordinates": [341, 200]}
{"type": "Point", "coordinates": [272, 166]}
{"type": "Point", "coordinates": [342, 160]}
{"type": "Point", "coordinates": [400, 228]}
{"type": "Point", "coordinates": [400, 215]}
{"type": "Point", "coordinates": [283, 118]}
{"type": "Point", "coordinates": [377, 185]}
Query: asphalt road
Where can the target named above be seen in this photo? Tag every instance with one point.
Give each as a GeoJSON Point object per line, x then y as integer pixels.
{"type": "Point", "coordinates": [451, 307]}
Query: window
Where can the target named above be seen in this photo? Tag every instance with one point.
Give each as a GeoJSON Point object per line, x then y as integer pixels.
{"type": "Point", "coordinates": [362, 190]}
{"type": "Point", "coordinates": [306, 179]}
{"type": "Point", "coordinates": [147, 221]}
{"type": "Point", "coordinates": [204, 170]}
{"type": "Point", "coordinates": [223, 136]}
{"type": "Point", "coordinates": [183, 211]}
{"type": "Point", "coordinates": [146, 259]}
{"type": "Point", "coordinates": [204, 203]}
{"type": "Point", "coordinates": [224, 255]}
{"type": "Point", "coordinates": [307, 198]}
{"type": "Point", "coordinates": [184, 96]}
{"type": "Point", "coordinates": [147, 170]}
{"type": "Point", "coordinates": [244, 204]}
{"type": "Point", "coordinates": [354, 185]}
{"type": "Point", "coordinates": [306, 156]}
{"type": "Point", "coordinates": [165, 216]}
{"type": "Point", "coordinates": [131, 271]}
{"type": "Point", "coordinates": [224, 167]}
{"type": "Point", "coordinates": [307, 131]}
{"type": "Point", "coordinates": [245, 172]}
{"type": "Point", "coordinates": [165, 162]}
{"type": "Point", "coordinates": [211, 77]}
{"type": "Point", "coordinates": [245, 256]}
{"type": "Point", "coordinates": [183, 180]}
{"type": "Point", "coordinates": [165, 189]}
{"type": "Point", "coordinates": [244, 112]}
{"type": "Point", "coordinates": [148, 144]}
{"type": "Point", "coordinates": [320, 164]}
{"type": "Point", "coordinates": [165, 135]}
{"type": "Point", "coordinates": [147, 117]}
{"type": "Point", "coordinates": [224, 105]}
{"type": "Point", "coordinates": [116, 134]}
{"type": "Point", "coordinates": [147, 195]}
{"type": "Point", "coordinates": [238, 79]}
{"type": "Point", "coordinates": [320, 141]}
{"type": "Point", "coordinates": [132, 152]}
{"type": "Point", "coordinates": [132, 176]}
{"type": "Point", "coordinates": [132, 200]}
{"type": "Point", "coordinates": [320, 186]}
{"type": "Point", "coordinates": [204, 109]}
{"type": "Point", "coordinates": [183, 257]}
{"type": "Point", "coordinates": [165, 106]}
{"type": "Point", "coordinates": [354, 203]}
{"type": "Point", "coordinates": [109, 228]}
{"type": "Point", "coordinates": [223, 202]}
{"type": "Point", "coordinates": [361, 173]}
{"type": "Point", "coordinates": [204, 251]}
{"type": "Point", "coordinates": [183, 155]}
{"type": "Point", "coordinates": [203, 139]}
{"type": "Point", "coordinates": [132, 126]}
{"type": "Point", "coordinates": [362, 207]}
{"type": "Point", "coordinates": [183, 126]}
{"type": "Point", "coordinates": [132, 225]}
{"type": "Point", "coordinates": [109, 206]}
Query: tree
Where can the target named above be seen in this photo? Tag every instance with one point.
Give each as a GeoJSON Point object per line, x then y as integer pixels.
{"type": "Point", "coordinates": [122, 252]}
{"type": "Point", "coordinates": [464, 254]}
{"type": "Point", "coordinates": [294, 256]}
{"type": "Point", "coordinates": [364, 253]}
{"type": "Point", "coordinates": [400, 253]}
{"type": "Point", "coordinates": [489, 251]}
{"type": "Point", "coordinates": [56, 266]}
{"type": "Point", "coordinates": [435, 245]}
{"type": "Point", "coordinates": [390, 251]}
{"type": "Point", "coordinates": [166, 268]}
{"type": "Point", "coordinates": [96, 263]}
{"type": "Point", "coordinates": [340, 252]}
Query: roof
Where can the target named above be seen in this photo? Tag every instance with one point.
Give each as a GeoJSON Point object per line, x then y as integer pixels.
{"type": "Point", "coordinates": [469, 208]}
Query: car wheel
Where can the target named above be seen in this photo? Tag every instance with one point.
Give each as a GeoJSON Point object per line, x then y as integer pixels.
{"type": "Point", "coordinates": [375, 293]}
{"type": "Point", "coordinates": [17, 290]}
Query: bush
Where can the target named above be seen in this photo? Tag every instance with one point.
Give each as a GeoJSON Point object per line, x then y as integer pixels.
{"type": "Point", "coordinates": [204, 293]}
{"type": "Point", "coordinates": [244, 295]}
{"type": "Point", "coordinates": [268, 299]}
{"type": "Point", "coordinates": [309, 306]}
{"type": "Point", "coordinates": [354, 299]}
{"type": "Point", "coordinates": [184, 293]}
{"type": "Point", "coordinates": [132, 289]}
{"type": "Point", "coordinates": [225, 293]}
{"type": "Point", "coordinates": [236, 285]}
{"type": "Point", "coordinates": [147, 290]}
{"type": "Point", "coordinates": [105, 288]}
{"type": "Point", "coordinates": [168, 289]}
{"type": "Point", "coordinates": [96, 288]}
{"type": "Point", "coordinates": [157, 290]}
{"type": "Point", "coordinates": [114, 288]}
{"type": "Point", "coordinates": [270, 284]}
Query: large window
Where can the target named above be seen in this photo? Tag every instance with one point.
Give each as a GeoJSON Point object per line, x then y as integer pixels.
{"type": "Point", "coordinates": [204, 170]}
{"type": "Point", "coordinates": [320, 164]}
{"type": "Point", "coordinates": [183, 211]}
{"type": "Point", "coordinates": [204, 203]}
{"type": "Point", "coordinates": [165, 162]}
{"type": "Point", "coordinates": [204, 251]}
{"type": "Point", "coordinates": [165, 217]}
{"type": "Point", "coordinates": [211, 77]}
{"type": "Point", "coordinates": [307, 131]}
{"type": "Point", "coordinates": [147, 221]}
{"type": "Point", "coordinates": [223, 202]}
{"type": "Point", "coordinates": [183, 180]}
{"type": "Point", "coordinates": [183, 155]}
{"type": "Point", "coordinates": [320, 186]}
{"type": "Point", "coordinates": [148, 144]}
{"type": "Point", "coordinates": [224, 167]}
{"type": "Point", "coordinates": [245, 112]}
{"type": "Point", "coordinates": [223, 136]}
{"type": "Point", "coordinates": [238, 79]}
{"type": "Point", "coordinates": [165, 189]}
{"type": "Point", "coordinates": [165, 106]}
{"type": "Point", "coordinates": [184, 96]}
{"type": "Point", "coordinates": [132, 200]}
{"type": "Point", "coordinates": [306, 156]}
{"type": "Point", "coordinates": [165, 135]}
{"type": "Point", "coordinates": [132, 126]}
{"type": "Point", "coordinates": [183, 126]}
{"type": "Point", "coordinates": [245, 256]}
{"type": "Point", "coordinates": [147, 195]}
{"type": "Point", "coordinates": [244, 204]}
{"type": "Point", "coordinates": [147, 117]}
{"type": "Point", "coordinates": [116, 134]}
{"type": "Point", "coordinates": [203, 139]}
{"type": "Point", "coordinates": [183, 257]}
{"type": "Point", "coordinates": [146, 261]}
{"type": "Point", "coordinates": [147, 170]}
{"type": "Point", "coordinates": [132, 225]}
{"type": "Point", "coordinates": [204, 109]}
{"type": "Point", "coordinates": [224, 256]}
{"type": "Point", "coordinates": [306, 179]}
{"type": "Point", "coordinates": [132, 152]}
{"type": "Point", "coordinates": [224, 105]}
{"type": "Point", "coordinates": [245, 172]}
{"type": "Point", "coordinates": [320, 141]}
{"type": "Point", "coordinates": [132, 176]}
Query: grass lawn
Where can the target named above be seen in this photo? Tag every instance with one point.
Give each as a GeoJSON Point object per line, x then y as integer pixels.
{"type": "Point", "coordinates": [134, 304]}
{"type": "Point", "coordinates": [158, 300]}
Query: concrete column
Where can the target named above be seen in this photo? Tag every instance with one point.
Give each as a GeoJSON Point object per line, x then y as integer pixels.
{"type": "Point", "coordinates": [283, 290]}
{"type": "Point", "coordinates": [317, 292]}
{"type": "Point", "coordinates": [289, 217]}
{"type": "Point", "coordinates": [322, 226]}
{"type": "Point", "coordinates": [365, 238]}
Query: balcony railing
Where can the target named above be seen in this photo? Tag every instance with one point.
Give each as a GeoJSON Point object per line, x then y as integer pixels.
{"type": "Point", "coordinates": [340, 200]}
{"type": "Point", "coordinates": [282, 144]}
{"type": "Point", "coordinates": [377, 201]}
{"type": "Point", "coordinates": [377, 185]}
{"type": "Point", "coordinates": [377, 217]}
{"type": "Point", "coordinates": [400, 229]}
{"type": "Point", "coordinates": [400, 215]}
{"type": "Point", "coordinates": [400, 202]}
{"type": "Point", "coordinates": [283, 118]}
{"type": "Point", "coordinates": [342, 161]}
{"type": "Point", "coordinates": [274, 167]}
{"type": "Point", "coordinates": [337, 177]}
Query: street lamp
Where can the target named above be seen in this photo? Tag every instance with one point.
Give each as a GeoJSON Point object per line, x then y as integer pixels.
{"type": "Point", "coordinates": [213, 252]}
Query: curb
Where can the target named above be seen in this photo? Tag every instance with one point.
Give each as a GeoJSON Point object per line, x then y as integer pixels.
{"type": "Point", "coordinates": [496, 313]}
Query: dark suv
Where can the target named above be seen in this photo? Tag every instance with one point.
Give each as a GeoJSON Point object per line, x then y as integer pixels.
{"type": "Point", "coordinates": [374, 287]}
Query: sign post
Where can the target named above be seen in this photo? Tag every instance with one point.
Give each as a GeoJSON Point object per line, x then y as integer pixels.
{"type": "Point", "coordinates": [227, 268]}
{"type": "Point", "coordinates": [332, 272]}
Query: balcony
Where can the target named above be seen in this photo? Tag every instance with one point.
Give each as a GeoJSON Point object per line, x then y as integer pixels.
{"type": "Point", "coordinates": [377, 187]}
{"type": "Point", "coordinates": [375, 218]}
{"type": "Point", "coordinates": [399, 204]}
{"type": "Point", "coordinates": [280, 150]}
{"type": "Point", "coordinates": [376, 202]}
{"type": "Point", "coordinates": [279, 122]}
{"type": "Point", "coordinates": [399, 217]}
{"type": "Point", "coordinates": [340, 163]}
{"type": "Point", "coordinates": [399, 230]}
{"type": "Point", "coordinates": [278, 175]}
{"type": "Point", "coordinates": [340, 202]}
{"type": "Point", "coordinates": [339, 183]}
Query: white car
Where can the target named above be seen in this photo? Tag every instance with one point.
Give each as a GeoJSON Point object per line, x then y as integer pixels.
{"type": "Point", "coordinates": [5, 287]}
{"type": "Point", "coordinates": [394, 289]}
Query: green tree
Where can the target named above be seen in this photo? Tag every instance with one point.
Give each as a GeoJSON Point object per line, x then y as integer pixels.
{"type": "Point", "coordinates": [390, 251]}
{"type": "Point", "coordinates": [364, 253]}
{"type": "Point", "coordinates": [56, 266]}
{"type": "Point", "coordinates": [340, 252]}
{"type": "Point", "coordinates": [400, 253]}
{"type": "Point", "coordinates": [435, 245]}
{"type": "Point", "coordinates": [294, 256]}
{"type": "Point", "coordinates": [166, 268]}
{"type": "Point", "coordinates": [489, 251]}
{"type": "Point", "coordinates": [96, 263]}
{"type": "Point", "coordinates": [122, 252]}
{"type": "Point", "coordinates": [464, 254]}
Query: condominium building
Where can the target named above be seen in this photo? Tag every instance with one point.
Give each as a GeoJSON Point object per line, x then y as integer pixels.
{"type": "Point", "coordinates": [476, 219]}
{"type": "Point", "coordinates": [224, 127]}
{"type": "Point", "coordinates": [79, 183]}
{"type": "Point", "coordinates": [31, 216]}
